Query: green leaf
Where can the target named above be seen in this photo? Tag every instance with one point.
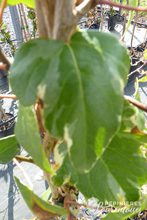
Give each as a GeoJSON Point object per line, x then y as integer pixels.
{"type": "Point", "coordinates": [8, 148]}
{"type": "Point", "coordinates": [132, 117]}
{"type": "Point", "coordinates": [29, 3]}
{"type": "Point", "coordinates": [34, 68]}
{"type": "Point", "coordinates": [27, 133]}
{"type": "Point", "coordinates": [120, 171]}
{"type": "Point", "coordinates": [81, 84]}
{"type": "Point", "coordinates": [43, 210]}
{"type": "Point", "coordinates": [45, 196]}
{"type": "Point", "coordinates": [117, 216]}
{"type": "Point", "coordinates": [143, 79]}
{"type": "Point", "coordinates": [118, 174]}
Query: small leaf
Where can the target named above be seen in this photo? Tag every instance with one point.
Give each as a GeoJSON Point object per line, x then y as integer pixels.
{"type": "Point", "coordinates": [45, 196]}
{"type": "Point", "coordinates": [27, 133]}
{"type": "Point", "coordinates": [132, 117]}
{"type": "Point", "coordinates": [43, 210]}
{"type": "Point", "coordinates": [143, 79]}
{"type": "Point", "coordinates": [8, 148]}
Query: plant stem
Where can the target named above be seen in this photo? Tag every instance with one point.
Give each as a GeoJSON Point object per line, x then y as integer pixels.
{"type": "Point", "coordinates": [2, 7]}
{"type": "Point", "coordinates": [136, 103]}
{"type": "Point", "coordinates": [86, 5]}
{"type": "Point", "coordinates": [65, 22]}
{"type": "Point", "coordinates": [24, 159]}
{"type": "Point", "coordinates": [45, 17]}
{"type": "Point", "coordinates": [3, 96]}
{"type": "Point", "coordinates": [24, 173]}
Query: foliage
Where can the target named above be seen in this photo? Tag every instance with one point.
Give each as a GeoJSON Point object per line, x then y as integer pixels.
{"type": "Point", "coordinates": [6, 38]}
{"type": "Point", "coordinates": [32, 16]}
{"type": "Point", "coordinates": [27, 127]}
{"type": "Point", "coordinates": [8, 149]}
{"type": "Point", "coordinates": [29, 3]}
{"type": "Point", "coordinates": [39, 207]}
{"type": "Point", "coordinates": [80, 84]}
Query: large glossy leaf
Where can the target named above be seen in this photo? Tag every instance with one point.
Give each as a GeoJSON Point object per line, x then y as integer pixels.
{"type": "Point", "coordinates": [27, 133]}
{"type": "Point", "coordinates": [81, 83]}
{"type": "Point", "coordinates": [29, 3]}
{"type": "Point", "coordinates": [118, 174]}
{"type": "Point", "coordinates": [43, 210]}
{"type": "Point", "coordinates": [8, 149]}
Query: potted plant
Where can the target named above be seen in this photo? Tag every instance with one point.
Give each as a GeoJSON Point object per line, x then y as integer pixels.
{"type": "Point", "coordinates": [91, 133]}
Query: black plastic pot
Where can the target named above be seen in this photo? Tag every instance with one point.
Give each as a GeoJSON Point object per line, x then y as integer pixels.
{"type": "Point", "coordinates": [95, 25]}
{"type": "Point", "coordinates": [4, 86]}
{"type": "Point", "coordinates": [111, 22]}
{"type": "Point", "coordinates": [7, 127]}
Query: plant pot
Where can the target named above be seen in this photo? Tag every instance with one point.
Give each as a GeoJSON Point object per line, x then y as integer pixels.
{"type": "Point", "coordinates": [4, 86]}
{"type": "Point", "coordinates": [7, 127]}
{"type": "Point", "coordinates": [111, 23]}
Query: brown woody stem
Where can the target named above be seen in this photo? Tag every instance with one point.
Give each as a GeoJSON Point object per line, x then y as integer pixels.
{"type": "Point", "coordinates": [24, 159]}
{"type": "Point", "coordinates": [38, 110]}
{"type": "Point", "coordinates": [3, 96]}
{"type": "Point", "coordinates": [86, 5]}
{"type": "Point", "coordinates": [2, 7]}
{"type": "Point", "coordinates": [136, 103]}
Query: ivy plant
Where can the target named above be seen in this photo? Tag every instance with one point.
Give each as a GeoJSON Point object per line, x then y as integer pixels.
{"type": "Point", "coordinates": [73, 119]}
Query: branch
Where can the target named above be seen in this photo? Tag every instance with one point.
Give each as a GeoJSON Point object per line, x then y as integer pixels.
{"type": "Point", "coordinates": [137, 70]}
{"type": "Point", "coordinates": [2, 7]}
{"type": "Point", "coordinates": [86, 5]}
{"type": "Point", "coordinates": [65, 21]}
{"type": "Point", "coordinates": [45, 17]}
{"type": "Point", "coordinates": [38, 110]}
{"type": "Point", "coordinates": [24, 173]}
{"type": "Point", "coordinates": [3, 96]}
{"type": "Point", "coordinates": [24, 159]}
{"type": "Point", "coordinates": [78, 2]}
{"type": "Point", "coordinates": [43, 32]}
{"type": "Point", "coordinates": [136, 103]}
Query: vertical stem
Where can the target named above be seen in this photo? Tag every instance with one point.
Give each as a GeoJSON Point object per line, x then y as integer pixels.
{"type": "Point", "coordinates": [25, 37]}
{"type": "Point", "coordinates": [56, 19]}
{"type": "Point", "coordinates": [41, 19]}
{"type": "Point", "coordinates": [25, 21]}
{"type": "Point", "coordinates": [134, 26]}
{"type": "Point", "coordinates": [124, 28]}
{"type": "Point", "coordinates": [65, 22]}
